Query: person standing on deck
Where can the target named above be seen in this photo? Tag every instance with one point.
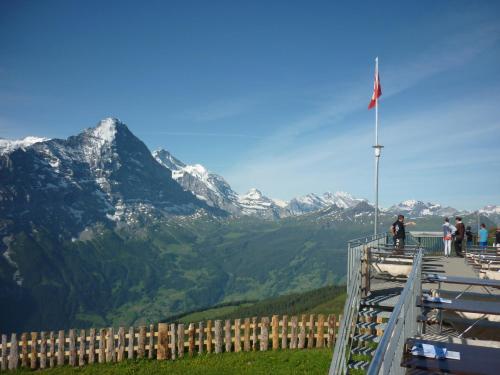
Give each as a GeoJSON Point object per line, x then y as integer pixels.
{"type": "Point", "coordinates": [469, 235]}
{"type": "Point", "coordinates": [447, 235]}
{"type": "Point", "coordinates": [483, 236]}
{"type": "Point", "coordinates": [497, 237]}
{"type": "Point", "coordinates": [398, 232]}
{"type": "Point", "coordinates": [459, 235]}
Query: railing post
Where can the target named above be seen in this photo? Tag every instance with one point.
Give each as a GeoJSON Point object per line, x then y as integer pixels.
{"type": "Point", "coordinates": [365, 272]}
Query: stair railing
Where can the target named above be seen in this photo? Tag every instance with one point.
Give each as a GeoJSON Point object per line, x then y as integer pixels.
{"type": "Point", "coordinates": [355, 250]}
{"type": "Point", "coordinates": [401, 326]}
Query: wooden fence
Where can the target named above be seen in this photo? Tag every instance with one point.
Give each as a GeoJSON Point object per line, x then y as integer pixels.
{"type": "Point", "coordinates": [166, 341]}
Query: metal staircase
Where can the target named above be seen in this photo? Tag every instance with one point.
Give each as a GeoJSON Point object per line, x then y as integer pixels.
{"type": "Point", "coordinates": [375, 325]}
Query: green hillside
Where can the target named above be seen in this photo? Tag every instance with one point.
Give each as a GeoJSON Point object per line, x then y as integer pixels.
{"type": "Point", "coordinates": [145, 274]}
{"type": "Point", "coordinates": [326, 300]}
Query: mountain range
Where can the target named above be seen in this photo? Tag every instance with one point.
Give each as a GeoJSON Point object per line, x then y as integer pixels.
{"type": "Point", "coordinates": [96, 229]}
{"type": "Point", "coordinates": [106, 174]}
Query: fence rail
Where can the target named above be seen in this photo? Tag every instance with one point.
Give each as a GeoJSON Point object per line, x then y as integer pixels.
{"type": "Point", "coordinates": [166, 341]}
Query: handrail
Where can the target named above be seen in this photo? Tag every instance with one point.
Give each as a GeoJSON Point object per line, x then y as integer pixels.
{"type": "Point", "coordinates": [355, 249]}
{"type": "Point", "coordinates": [401, 325]}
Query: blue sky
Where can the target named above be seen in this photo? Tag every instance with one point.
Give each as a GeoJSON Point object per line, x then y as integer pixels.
{"type": "Point", "coordinates": [271, 94]}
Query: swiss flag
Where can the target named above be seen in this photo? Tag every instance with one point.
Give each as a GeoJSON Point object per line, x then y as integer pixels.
{"type": "Point", "coordinates": [377, 92]}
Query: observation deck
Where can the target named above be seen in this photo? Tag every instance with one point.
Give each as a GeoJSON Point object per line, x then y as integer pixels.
{"type": "Point", "coordinates": [401, 301]}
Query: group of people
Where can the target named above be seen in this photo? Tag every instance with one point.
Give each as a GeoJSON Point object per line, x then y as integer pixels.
{"type": "Point", "coordinates": [459, 232]}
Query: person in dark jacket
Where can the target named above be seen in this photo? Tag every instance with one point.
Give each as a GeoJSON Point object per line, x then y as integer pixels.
{"type": "Point", "coordinates": [459, 236]}
{"type": "Point", "coordinates": [497, 237]}
{"type": "Point", "coordinates": [469, 235]}
{"type": "Point", "coordinates": [398, 232]}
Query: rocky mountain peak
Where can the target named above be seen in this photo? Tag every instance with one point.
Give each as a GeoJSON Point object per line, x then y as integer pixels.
{"type": "Point", "coordinates": [166, 159]}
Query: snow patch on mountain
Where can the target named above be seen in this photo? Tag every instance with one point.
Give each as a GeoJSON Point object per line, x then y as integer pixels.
{"type": "Point", "coordinates": [205, 185]}
{"type": "Point", "coordinates": [490, 210]}
{"type": "Point", "coordinates": [106, 129]}
{"type": "Point", "coordinates": [9, 145]}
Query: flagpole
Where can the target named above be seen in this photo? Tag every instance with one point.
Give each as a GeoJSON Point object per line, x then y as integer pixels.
{"type": "Point", "coordinates": [377, 148]}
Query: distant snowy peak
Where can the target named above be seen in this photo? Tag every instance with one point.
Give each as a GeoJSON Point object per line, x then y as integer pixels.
{"type": "Point", "coordinates": [9, 145]}
{"type": "Point", "coordinates": [490, 210]}
{"type": "Point", "coordinates": [256, 203]}
{"type": "Point", "coordinates": [342, 199]}
{"type": "Point", "coordinates": [313, 202]}
{"type": "Point", "coordinates": [419, 208]}
{"type": "Point", "coordinates": [210, 187]}
{"type": "Point", "coordinates": [166, 159]}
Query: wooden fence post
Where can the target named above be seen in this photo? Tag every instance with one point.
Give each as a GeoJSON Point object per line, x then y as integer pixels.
{"type": "Point", "coordinates": [81, 354]}
{"type": "Point", "coordinates": [191, 334]}
{"type": "Point", "coordinates": [141, 342]}
{"type": "Point", "coordinates": [121, 344]}
{"type": "Point", "coordinates": [24, 350]}
{"type": "Point", "coordinates": [302, 333]}
{"type": "Point", "coordinates": [161, 352]}
{"type": "Point", "coordinates": [264, 333]}
{"type": "Point", "coordinates": [218, 336]}
{"type": "Point", "coordinates": [151, 341]}
{"type": "Point", "coordinates": [91, 356]}
{"type": "Point", "coordinates": [246, 335]}
{"type": "Point", "coordinates": [43, 350]}
{"type": "Point", "coordinates": [227, 335]}
{"type": "Point", "coordinates": [310, 338]}
{"type": "Point", "coordinates": [81, 349]}
{"type": "Point", "coordinates": [61, 344]}
{"type": "Point", "coordinates": [52, 349]}
{"type": "Point", "coordinates": [275, 332]}
{"type": "Point", "coordinates": [72, 348]}
{"type": "Point", "coordinates": [172, 341]}
{"type": "Point", "coordinates": [4, 353]}
{"type": "Point", "coordinates": [237, 335]}
{"type": "Point", "coordinates": [331, 331]}
{"type": "Point", "coordinates": [110, 345]}
{"type": "Point", "coordinates": [180, 340]}
{"type": "Point", "coordinates": [294, 332]}
{"type": "Point", "coordinates": [34, 352]}
{"type": "Point", "coordinates": [209, 336]}
{"type": "Point", "coordinates": [254, 333]}
{"type": "Point", "coordinates": [284, 332]}
{"type": "Point", "coordinates": [201, 337]}
{"type": "Point", "coordinates": [13, 355]}
{"type": "Point", "coordinates": [131, 340]}
{"type": "Point", "coordinates": [102, 345]}
{"type": "Point", "coordinates": [320, 340]}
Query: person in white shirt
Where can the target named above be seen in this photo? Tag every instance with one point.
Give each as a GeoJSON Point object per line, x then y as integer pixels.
{"type": "Point", "coordinates": [448, 231]}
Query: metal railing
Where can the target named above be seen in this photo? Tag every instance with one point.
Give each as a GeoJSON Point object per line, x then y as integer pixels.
{"type": "Point", "coordinates": [401, 326]}
{"type": "Point", "coordinates": [355, 249]}
{"type": "Point", "coordinates": [432, 242]}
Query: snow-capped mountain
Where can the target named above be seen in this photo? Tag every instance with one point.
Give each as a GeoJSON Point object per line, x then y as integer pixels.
{"type": "Point", "coordinates": [312, 202]}
{"type": "Point", "coordinates": [490, 210]}
{"type": "Point", "coordinates": [214, 189]}
{"type": "Point", "coordinates": [207, 186]}
{"type": "Point", "coordinates": [415, 208]}
{"type": "Point", "coordinates": [256, 204]}
{"type": "Point", "coordinates": [104, 174]}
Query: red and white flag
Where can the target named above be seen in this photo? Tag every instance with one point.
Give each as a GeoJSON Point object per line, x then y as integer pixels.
{"type": "Point", "coordinates": [377, 91]}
